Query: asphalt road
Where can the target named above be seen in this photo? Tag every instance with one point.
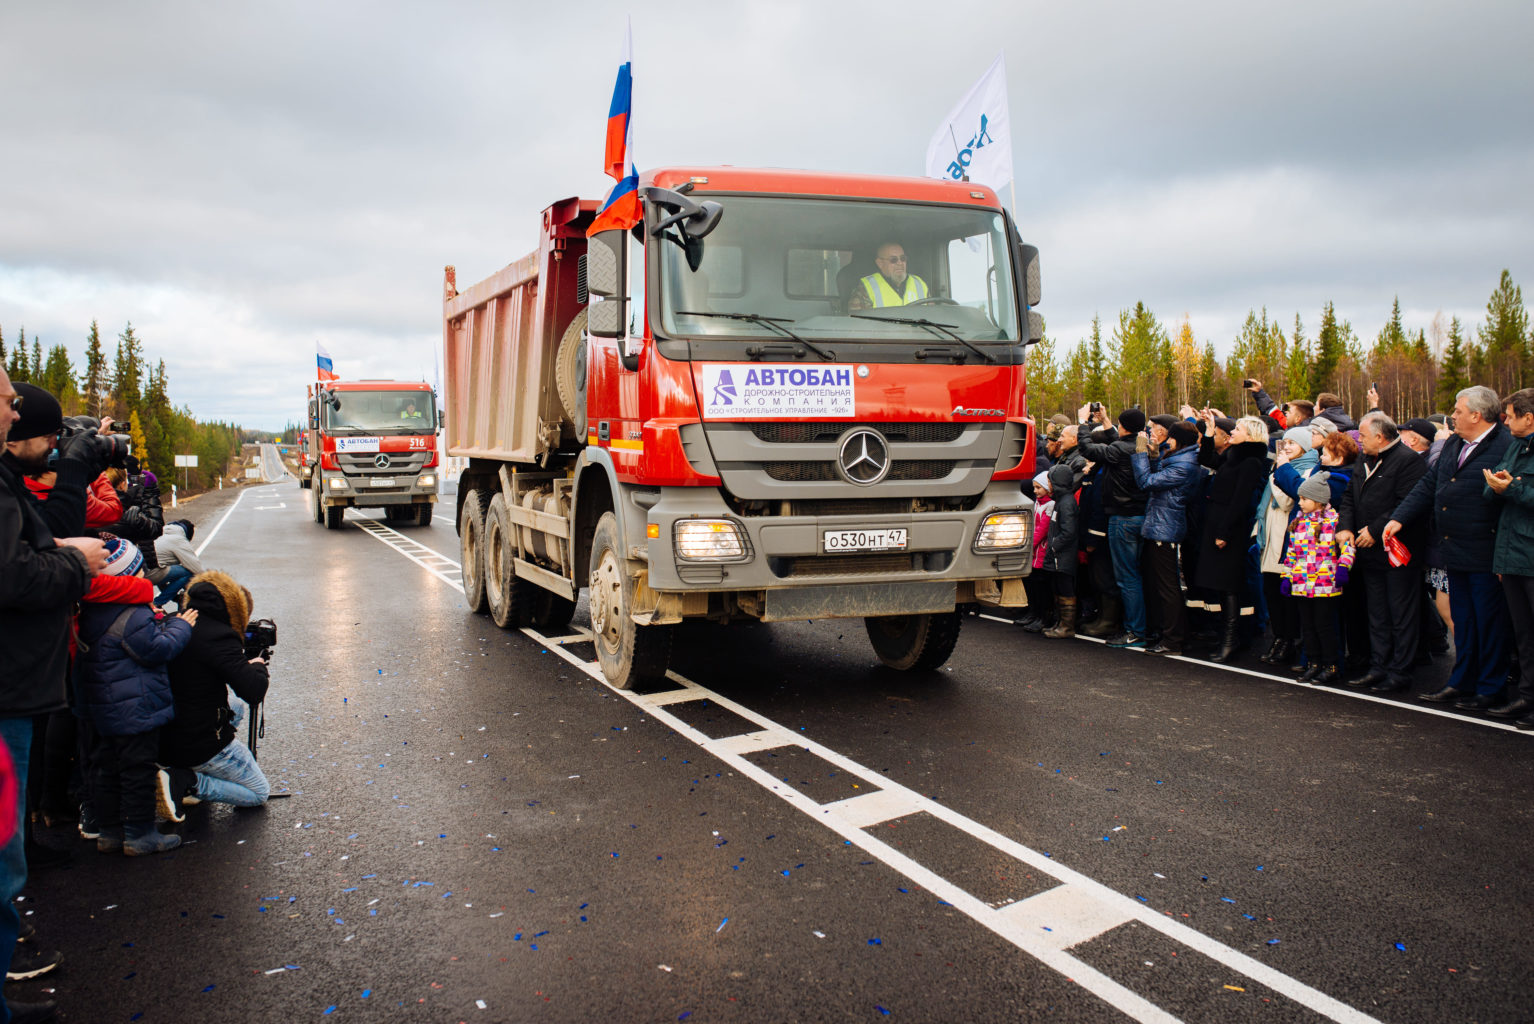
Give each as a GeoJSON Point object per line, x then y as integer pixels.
{"type": "Point", "coordinates": [1044, 830]}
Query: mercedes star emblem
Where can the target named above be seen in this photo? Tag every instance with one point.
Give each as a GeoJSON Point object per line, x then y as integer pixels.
{"type": "Point", "coordinates": [382, 461]}
{"type": "Point", "coordinates": [863, 456]}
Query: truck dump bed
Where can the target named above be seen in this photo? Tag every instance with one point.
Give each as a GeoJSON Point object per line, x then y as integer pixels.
{"type": "Point", "coordinates": [500, 338]}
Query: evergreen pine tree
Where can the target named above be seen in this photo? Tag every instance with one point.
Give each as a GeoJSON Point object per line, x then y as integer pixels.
{"type": "Point", "coordinates": [1330, 349]}
{"type": "Point", "coordinates": [1504, 338]}
{"type": "Point", "coordinates": [128, 371]}
{"type": "Point", "coordinates": [93, 386]}
{"type": "Point", "coordinates": [36, 369]}
{"type": "Point", "coordinates": [1297, 368]}
{"type": "Point", "coordinates": [1096, 377]}
{"type": "Point", "coordinates": [1454, 368]}
{"type": "Point", "coordinates": [16, 367]}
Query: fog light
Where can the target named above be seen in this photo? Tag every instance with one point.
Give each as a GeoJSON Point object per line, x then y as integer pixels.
{"type": "Point", "coordinates": [1002, 530]}
{"type": "Point", "coordinates": [427, 480]}
{"type": "Point", "coordinates": [708, 540]}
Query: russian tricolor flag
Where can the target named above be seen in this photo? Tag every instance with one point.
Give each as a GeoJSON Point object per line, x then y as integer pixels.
{"type": "Point", "coordinates": [621, 210]}
{"type": "Point", "coordinates": [326, 367]}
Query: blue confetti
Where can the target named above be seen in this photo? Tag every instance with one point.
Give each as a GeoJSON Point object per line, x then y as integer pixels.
{"type": "Point", "coordinates": [881, 1010]}
{"type": "Point", "coordinates": [875, 942]}
{"type": "Point", "coordinates": [210, 988]}
{"type": "Point", "coordinates": [1272, 942]}
{"type": "Point", "coordinates": [1259, 867]}
{"type": "Point", "coordinates": [546, 931]}
{"type": "Point", "coordinates": [366, 992]}
{"type": "Point", "coordinates": [1401, 947]}
{"type": "Point", "coordinates": [721, 926]}
{"type": "Point", "coordinates": [331, 1009]}
{"type": "Point", "coordinates": [1226, 899]}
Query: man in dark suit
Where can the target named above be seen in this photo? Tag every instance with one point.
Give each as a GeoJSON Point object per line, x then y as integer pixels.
{"type": "Point", "coordinates": [1383, 476]}
{"type": "Point", "coordinates": [1450, 495]}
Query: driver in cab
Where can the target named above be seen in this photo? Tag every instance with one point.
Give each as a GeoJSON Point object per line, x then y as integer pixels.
{"type": "Point", "coordinates": [410, 412]}
{"type": "Point", "coordinates": [891, 285]}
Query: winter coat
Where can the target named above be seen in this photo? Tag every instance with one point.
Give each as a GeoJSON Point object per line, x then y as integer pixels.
{"type": "Point", "coordinates": [1092, 527]}
{"type": "Point", "coordinates": [1230, 508]}
{"type": "Point", "coordinates": [1041, 517]}
{"type": "Point", "coordinates": [121, 683]}
{"type": "Point", "coordinates": [143, 520]}
{"type": "Point", "coordinates": [214, 659]}
{"type": "Point", "coordinates": [1450, 498]}
{"type": "Point", "coordinates": [1514, 550]}
{"type": "Point", "coordinates": [174, 549]}
{"type": "Point", "coordinates": [1169, 486]}
{"type": "Point", "coordinates": [77, 502]}
{"type": "Point", "coordinates": [39, 584]}
{"type": "Point", "coordinates": [1121, 496]}
{"type": "Point", "coordinates": [1371, 501]}
{"type": "Point", "coordinates": [1314, 554]}
{"type": "Point", "coordinates": [1064, 520]}
{"type": "Point", "coordinates": [1280, 507]}
{"type": "Point", "coordinates": [1338, 416]}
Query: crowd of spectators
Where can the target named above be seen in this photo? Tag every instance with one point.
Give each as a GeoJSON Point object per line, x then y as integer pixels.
{"type": "Point", "coordinates": [1353, 551]}
{"type": "Point", "coordinates": [118, 652]}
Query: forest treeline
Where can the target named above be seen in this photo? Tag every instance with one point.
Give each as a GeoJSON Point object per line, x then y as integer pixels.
{"type": "Point", "coordinates": [1141, 362]}
{"type": "Point", "coordinates": [135, 394]}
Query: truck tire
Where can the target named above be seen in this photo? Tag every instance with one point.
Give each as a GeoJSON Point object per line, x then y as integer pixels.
{"type": "Point", "coordinates": [908, 642]}
{"type": "Point", "coordinates": [506, 594]}
{"type": "Point", "coordinates": [565, 360]}
{"type": "Point", "coordinates": [471, 550]}
{"type": "Point", "coordinates": [317, 509]}
{"type": "Point", "coordinates": [334, 514]}
{"type": "Point", "coordinates": [398, 513]}
{"type": "Point", "coordinates": [627, 652]}
{"type": "Point", "coordinates": [423, 514]}
{"type": "Point", "coordinates": [551, 612]}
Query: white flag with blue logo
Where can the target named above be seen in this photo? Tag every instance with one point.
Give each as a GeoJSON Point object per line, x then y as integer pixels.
{"type": "Point", "coordinates": [975, 139]}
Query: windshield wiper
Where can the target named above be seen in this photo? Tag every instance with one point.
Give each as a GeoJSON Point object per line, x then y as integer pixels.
{"type": "Point", "coordinates": [941, 330]}
{"type": "Point", "coordinates": [772, 322]}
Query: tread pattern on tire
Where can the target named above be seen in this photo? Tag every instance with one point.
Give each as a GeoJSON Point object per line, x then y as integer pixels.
{"type": "Point", "coordinates": [506, 593]}
{"type": "Point", "coordinates": [928, 640]}
{"type": "Point", "coordinates": [473, 517]}
{"type": "Point", "coordinates": [644, 651]}
{"type": "Point", "coordinates": [564, 365]}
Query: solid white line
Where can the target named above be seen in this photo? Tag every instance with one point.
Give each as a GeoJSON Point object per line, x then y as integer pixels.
{"type": "Point", "coordinates": [1023, 930]}
{"type": "Point", "coordinates": [228, 512]}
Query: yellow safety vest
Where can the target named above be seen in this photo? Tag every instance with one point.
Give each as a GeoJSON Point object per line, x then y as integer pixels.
{"type": "Point", "coordinates": [880, 294]}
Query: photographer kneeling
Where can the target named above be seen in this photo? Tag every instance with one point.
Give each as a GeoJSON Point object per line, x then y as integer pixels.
{"type": "Point", "coordinates": [204, 761]}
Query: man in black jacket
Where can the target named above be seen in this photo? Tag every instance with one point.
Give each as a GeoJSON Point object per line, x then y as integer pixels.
{"type": "Point", "coordinates": [1124, 502]}
{"type": "Point", "coordinates": [1383, 476]}
{"type": "Point", "coordinates": [1450, 496]}
{"type": "Point", "coordinates": [27, 447]}
{"type": "Point", "coordinates": [40, 580]}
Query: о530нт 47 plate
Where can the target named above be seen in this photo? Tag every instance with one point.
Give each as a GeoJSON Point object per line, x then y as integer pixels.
{"type": "Point", "coordinates": [893, 539]}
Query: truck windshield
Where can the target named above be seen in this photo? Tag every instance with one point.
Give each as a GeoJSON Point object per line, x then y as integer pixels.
{"type": "Point", "coordinates": [846, 271]}
{"type": "Point", "coordinates": [381, 412]}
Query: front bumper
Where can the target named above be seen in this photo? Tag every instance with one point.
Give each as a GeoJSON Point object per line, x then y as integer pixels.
{"type": "Point", "coordinates": [359, 492]}
{"type": "Point", "coordinates": [785, 553]}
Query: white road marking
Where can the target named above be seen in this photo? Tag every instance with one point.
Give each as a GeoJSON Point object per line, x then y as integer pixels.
{"type": "Point", "coordinates": [1083, 907]}
{"type": "Point", "coordinates": [209, 539]}
{"type": "Point", "coordinates": [1290, 681]}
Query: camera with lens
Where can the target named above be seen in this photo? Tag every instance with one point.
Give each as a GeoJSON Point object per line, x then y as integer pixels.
{"type": "Point", "coordinates": [260, 638]}
{"type": "Point", "coordinates": [112, 449]}
{"type": "Point", "coordinates": [1095, 407]}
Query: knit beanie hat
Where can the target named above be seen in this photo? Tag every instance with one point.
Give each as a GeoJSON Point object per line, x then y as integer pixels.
{"type": "Point", "coordinates": [1132, 420]}
{"type": "Point", "coordinates": [1317, 487]}
{"type": "Point", "coordinates": [1322, 425]}
{"type": "Point", "coordinates": [1184, 433]}
{"type": "Point", "coordinates": [1042, 480]}
{"type": "Point", "coordinates": [123, 558]}
{"type": "Point", "coordinates": [1300, 436]}
{"type": "Point", "coordinates": [40, 413]}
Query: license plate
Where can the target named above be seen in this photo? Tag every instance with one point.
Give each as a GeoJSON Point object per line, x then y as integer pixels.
{"type": "Point", "coordinates": [893, 539]}
{"type": "Point", "coordinates": [381, 481]}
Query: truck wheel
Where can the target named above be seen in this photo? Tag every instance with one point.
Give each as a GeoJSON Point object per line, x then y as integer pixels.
{"type": "Point", "coordinates": [910, 642]}
{"type": "Point", "coordinates": [423, 514]}
{"type": "Point", "coordinates": [565, 365]}
{"type": "Point", "coordinates": [551, 612]}
{"type": "Point", "coordinates": [628, 653]}
{"type": "Point", "coordinates": [471, 548]}
{"type": "Point", "coordinates": [507, 594]}
{"type": "Point", "coordinates": [334, 514]}
{"type": "Point", "coordinates": [316, 508]}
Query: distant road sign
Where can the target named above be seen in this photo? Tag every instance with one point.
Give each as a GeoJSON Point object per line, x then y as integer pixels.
{"type": "Point", "coordinates": [186, 460]}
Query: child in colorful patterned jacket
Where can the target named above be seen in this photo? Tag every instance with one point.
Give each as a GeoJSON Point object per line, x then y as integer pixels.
{"type": "Point", "coordinates": [1316, 566]}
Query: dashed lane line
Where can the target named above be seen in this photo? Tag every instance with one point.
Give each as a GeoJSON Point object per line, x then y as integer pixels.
{"type": "Point", "coordinates": [1045, 926]}
{"type": "Point", "coordinates": [1289, 681]}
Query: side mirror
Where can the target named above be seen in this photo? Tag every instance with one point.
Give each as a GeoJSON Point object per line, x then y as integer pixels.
{"type": "Point", "coordinates": [603, 252]}
{"type": "Point", "coordinates": [694, 219]}
{"type": "Point", "coordinates": [1028, 256]}
{"type": "Point", "coordinates": [1035, 327]}
{"type": "Point", "coordinates": [603, 319]}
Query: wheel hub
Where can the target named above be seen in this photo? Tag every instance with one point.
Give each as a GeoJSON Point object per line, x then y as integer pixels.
{"type": "Point", "coordinates": [607, 601]}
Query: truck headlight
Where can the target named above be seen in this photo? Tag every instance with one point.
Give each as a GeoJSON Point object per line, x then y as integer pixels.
{"type": "Point", "coordinates": [1001, 530]}
{"type": "Point", "coordinates": [708, 540]}
{"type": "Point", "coordinates": [427, 480]}
{"type": "Point", "coordinates": [339, 482]}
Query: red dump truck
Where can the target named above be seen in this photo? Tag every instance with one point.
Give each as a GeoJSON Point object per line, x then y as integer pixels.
{"type": "Point", "coordinates": [371, 444]}
{"type": "Point", "coordinates": [784, 396]}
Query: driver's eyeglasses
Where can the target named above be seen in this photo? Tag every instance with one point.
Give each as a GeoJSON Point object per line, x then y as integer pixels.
{"type": "Point", "coordinates": [893, 259]}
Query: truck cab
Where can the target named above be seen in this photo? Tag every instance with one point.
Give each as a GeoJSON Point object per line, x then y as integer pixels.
{"type": "Point", "coordinates": [372, 444]}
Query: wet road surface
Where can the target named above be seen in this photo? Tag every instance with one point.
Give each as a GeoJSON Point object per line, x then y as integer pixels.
{"type": "Point", "coordinates": [479, 829]}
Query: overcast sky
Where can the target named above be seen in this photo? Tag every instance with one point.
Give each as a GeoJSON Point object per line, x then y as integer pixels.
{"type": "Point", "coordinates": [241, 181]}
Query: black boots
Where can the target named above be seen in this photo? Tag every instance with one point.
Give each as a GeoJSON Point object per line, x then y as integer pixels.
{"type": "Point", "coordinates": [1110, 620]}
{"type": "Point", "coordinates": [1065, 623]}
{"type": "Point", "coordinates": [1230, 621]}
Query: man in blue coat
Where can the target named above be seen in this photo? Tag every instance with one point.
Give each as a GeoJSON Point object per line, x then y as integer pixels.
{"type": "Point", "coordinates": [1466, 524]}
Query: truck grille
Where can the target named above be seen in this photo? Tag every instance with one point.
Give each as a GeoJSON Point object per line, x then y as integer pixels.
{"type": "Point", "coordinates": [400, 463]}
{"type": "Point", "coordinates": [850, 565]}
{"type": "Point", "coordinates": [911, 469]}
{"type": "Point", "coordinates": [804, 433]}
